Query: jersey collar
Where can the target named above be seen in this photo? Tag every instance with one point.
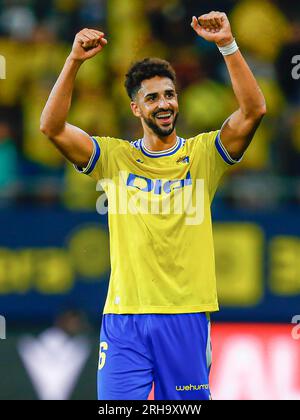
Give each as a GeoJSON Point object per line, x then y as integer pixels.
{"type": "Point", "coordinates": [167, 152]}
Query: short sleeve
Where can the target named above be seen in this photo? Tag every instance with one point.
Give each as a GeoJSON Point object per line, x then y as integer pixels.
{"type": "Point", "coordinates": [218, 160]}
{"type": "Point", "coordinates": [98, 163]}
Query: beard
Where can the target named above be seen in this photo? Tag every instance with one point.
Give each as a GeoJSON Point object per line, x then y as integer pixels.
{"type": "Point", "coordinates": [160, 131]}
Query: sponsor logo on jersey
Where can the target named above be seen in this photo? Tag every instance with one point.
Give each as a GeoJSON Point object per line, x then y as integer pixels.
{"type": "Point", "coordinates": [136, 194]}
{"type": "Point", "coordinates": [157, 186]}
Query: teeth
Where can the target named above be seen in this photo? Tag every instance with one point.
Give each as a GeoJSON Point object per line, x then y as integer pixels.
{"type": "Point", "coordinates": [163, 115]}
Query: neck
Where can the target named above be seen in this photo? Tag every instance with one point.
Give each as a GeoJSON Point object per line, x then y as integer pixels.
{"type": "Point", "coordinates": [156, 143]}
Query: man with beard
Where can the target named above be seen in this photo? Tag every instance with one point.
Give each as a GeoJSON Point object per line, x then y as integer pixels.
{"type": "Point", "coordinates": [155, 326]}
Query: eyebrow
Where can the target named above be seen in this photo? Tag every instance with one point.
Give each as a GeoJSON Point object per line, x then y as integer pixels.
{"type": "Point", "coordinates": [155, 93]}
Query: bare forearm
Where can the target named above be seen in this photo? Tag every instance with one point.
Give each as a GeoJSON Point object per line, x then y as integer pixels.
{"type": "Point", "coordinates": [56, 110]}
{"type": "Point", "coordinates": [239, 129]}
{"type": "Point", "coordinates": [248, 94]}
{"type": "Point", "coordinates": [74, 143]}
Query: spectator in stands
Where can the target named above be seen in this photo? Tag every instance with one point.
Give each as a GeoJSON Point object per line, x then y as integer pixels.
{"type": "Point", "coordinates": [8, 158]}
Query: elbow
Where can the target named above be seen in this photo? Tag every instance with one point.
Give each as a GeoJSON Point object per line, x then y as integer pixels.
{"type": "Point", "coordinates": [48, 131]}
{"type": "Point", "coordinates": [256, 113]}
{"type": "Point", "coordinates": [43, 124]}
{"type": "Point", "coordinates": [44, 128]}
{"type": "Point", "coordinates": [262, 110]}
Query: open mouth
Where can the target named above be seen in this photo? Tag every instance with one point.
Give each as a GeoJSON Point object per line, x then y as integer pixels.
{"type": "Point", "coordinates": [164, 117]}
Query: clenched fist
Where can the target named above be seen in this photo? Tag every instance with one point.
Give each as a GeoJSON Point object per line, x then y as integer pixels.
{"type": "Point", "coordinates": [87, 44]}
{"type": "Point", "coordinates": [213, 27]}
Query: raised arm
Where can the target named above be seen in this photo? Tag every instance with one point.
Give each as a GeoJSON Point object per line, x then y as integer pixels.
{"type": "Point", "coordinates": [238, 130]}
{"type": "Point", "coordinates": [73, 142]}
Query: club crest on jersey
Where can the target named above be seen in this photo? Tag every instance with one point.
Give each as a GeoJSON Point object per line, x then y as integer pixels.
{"type": "Point", "coordinates": [157, 186]}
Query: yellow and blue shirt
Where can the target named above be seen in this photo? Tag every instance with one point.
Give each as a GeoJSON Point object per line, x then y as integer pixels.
{"type": "Point", "coordinates": [161, 242]}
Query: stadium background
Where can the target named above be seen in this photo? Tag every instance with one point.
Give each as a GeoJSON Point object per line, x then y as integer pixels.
{"type": "Point", "coordinates": [54, 257]}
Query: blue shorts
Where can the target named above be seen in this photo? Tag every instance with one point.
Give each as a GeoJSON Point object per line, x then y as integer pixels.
{"type": "Point", "coordinates": [173, 351]}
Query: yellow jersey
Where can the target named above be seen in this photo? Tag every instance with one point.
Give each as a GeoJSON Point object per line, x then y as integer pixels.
{"type": "Point", "coordinates": [161, 242]}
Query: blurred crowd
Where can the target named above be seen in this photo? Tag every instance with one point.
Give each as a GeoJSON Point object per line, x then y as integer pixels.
{"type": "Point", "coordinates": [36, 37]}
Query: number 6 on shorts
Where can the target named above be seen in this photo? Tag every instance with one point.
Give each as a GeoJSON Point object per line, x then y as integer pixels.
{"type": "Point", "coordinates": [102, 356]}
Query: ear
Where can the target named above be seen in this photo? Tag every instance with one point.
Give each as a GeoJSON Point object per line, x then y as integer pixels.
{"type": "Point", "coordinates": [135, 109]}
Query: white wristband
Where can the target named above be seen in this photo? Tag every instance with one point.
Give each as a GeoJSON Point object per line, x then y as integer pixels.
{"type": "Point", "coordinates": [229, 49]}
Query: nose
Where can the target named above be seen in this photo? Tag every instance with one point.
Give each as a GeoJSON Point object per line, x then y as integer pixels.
{"type": "Point", "coordinates": [163, 103]}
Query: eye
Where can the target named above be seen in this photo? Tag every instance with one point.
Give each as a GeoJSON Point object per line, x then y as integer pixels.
{"type": "Point", "coordinates": [150, 98]}
{"type": "Point", "coordinates": [170, 95]}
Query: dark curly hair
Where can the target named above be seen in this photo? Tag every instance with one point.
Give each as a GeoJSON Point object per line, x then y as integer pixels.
{"type": "Point", "coordinates": [146, 69]}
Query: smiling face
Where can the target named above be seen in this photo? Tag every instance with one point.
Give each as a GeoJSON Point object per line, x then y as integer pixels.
{"type": "Point", "coordinates": [156, 105]}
